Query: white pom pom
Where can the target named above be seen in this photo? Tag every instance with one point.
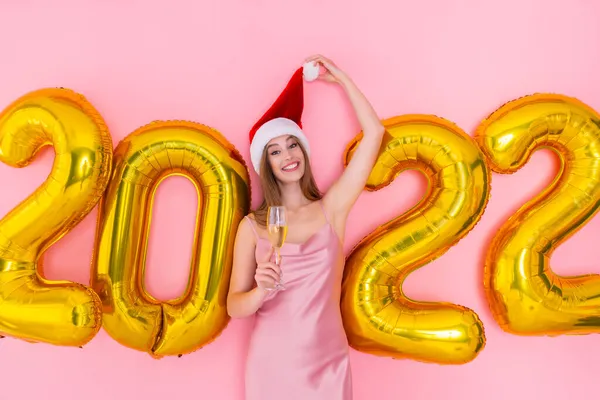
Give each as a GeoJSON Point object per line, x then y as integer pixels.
{"type": "Point", "coordinates": [310, 71]}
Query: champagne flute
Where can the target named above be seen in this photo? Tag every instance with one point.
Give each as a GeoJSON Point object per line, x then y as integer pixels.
{"type": "Point", "coordinates": [277, 229]}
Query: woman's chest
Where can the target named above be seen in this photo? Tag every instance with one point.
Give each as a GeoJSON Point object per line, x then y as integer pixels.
{"type": "Point", "coordinates": [320, 249]}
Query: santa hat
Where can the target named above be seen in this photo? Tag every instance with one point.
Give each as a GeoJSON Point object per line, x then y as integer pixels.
{"type": "Point", "coordinates": [284, 117]}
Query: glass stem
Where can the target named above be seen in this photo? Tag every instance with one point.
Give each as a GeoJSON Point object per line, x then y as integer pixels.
{"type": "Point", "coordinates": [277, 256]}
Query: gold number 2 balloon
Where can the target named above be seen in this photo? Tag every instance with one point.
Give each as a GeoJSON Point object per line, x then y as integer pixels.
{"type": "Point", "coordinates": [142, 161]}
{"type": "Point", "coordinates": [378, 317]}
{"type": "Point", "coordinates": [31, 307]}
{"type": "Point", "coordinates": [525, 296]}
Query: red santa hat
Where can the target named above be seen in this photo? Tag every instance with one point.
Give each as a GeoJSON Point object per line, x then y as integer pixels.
{"type": "Point", "coordinates": [284, 117]}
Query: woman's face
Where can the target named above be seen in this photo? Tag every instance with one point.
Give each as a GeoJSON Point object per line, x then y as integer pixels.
{"type": "Point", "coordinates": [286, 158]}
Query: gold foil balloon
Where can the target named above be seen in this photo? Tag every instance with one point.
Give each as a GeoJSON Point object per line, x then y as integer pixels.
{"type": "Point", "coordinates": [378, 317]}
{"type": "Point", "coordinates": [525, 296]}
{"type": "Point", "coordinates": [31, 307]}
{"type": "Point", "coordinates": [142, 161]}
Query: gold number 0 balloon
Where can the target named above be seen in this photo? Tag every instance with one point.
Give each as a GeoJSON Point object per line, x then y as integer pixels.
{"type": "Point", "coordinates": [379, 319]}
{"type": "Point", "coordinates": [142, 161]}
{"type": "Point", "coordinates": [31, 307]}
{"type": "Point", "coordinates": [525, 296]}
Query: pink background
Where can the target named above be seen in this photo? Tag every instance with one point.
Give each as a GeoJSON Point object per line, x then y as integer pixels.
{"type": "Point", "coordinates": [221, 63]}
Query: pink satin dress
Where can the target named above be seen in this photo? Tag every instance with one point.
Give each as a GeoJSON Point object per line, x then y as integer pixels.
{"type": "Point", "coordinates": [298, 349]}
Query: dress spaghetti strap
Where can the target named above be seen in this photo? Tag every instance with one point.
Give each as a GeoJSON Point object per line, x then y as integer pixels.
{"type": "Point", "coordinates": [252, 226]}
{"type": "Point", "coordinates": [324, 211]}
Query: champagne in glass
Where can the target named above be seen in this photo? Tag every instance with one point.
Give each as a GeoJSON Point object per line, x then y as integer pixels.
{"type": "Point", "coordinates": [277, 230]}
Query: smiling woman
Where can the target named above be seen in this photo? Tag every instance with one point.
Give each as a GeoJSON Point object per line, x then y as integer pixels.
{"type": "Point", "coordinates": [298, 346]}
{"type": "Point", "coordinates": [285, 149]}
{"type": "Point", "coordinates": [284, 163]}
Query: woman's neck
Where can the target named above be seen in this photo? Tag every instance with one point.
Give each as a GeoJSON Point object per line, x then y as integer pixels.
{"type": "Point", "coordinates": [292, 197]}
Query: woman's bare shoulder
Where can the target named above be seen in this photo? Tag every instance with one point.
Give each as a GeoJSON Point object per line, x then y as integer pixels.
{"type": "Point", "coordinates": [252, 223]}
{"type": "Point", "coordinates": [246, 226]}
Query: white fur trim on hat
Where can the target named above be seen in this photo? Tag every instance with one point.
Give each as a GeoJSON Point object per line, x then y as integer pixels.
{"type": "Point", "coordinates": [270, 130]}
